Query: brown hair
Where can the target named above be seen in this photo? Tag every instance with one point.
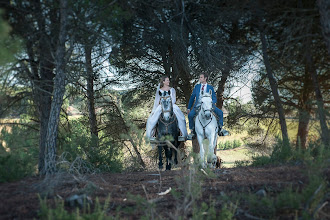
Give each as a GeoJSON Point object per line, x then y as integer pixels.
{"type": "Point", "coordinates": [162, 79]}
{"type": "Point", "coordinates": [205, 75]}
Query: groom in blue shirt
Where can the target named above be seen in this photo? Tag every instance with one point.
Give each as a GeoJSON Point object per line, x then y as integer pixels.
{"type": "Point", "coordinates": [194, 102]}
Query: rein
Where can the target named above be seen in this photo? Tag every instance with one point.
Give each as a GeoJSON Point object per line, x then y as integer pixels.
{"type": "Point", "coordinates": [172, 116]}
{"type": "Point", "coordinates": [203, 110]}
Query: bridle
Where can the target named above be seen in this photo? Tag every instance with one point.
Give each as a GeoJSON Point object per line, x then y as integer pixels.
{"type": "Point", "coordinates": [164, 111]}
{"type": "Point", "coordinates": [205, 110]}
{"type": "Point", "coordinates": [210, 120]}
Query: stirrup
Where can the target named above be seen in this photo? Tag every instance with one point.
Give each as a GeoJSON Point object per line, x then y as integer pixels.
{"type": "Point", "coordinates": [181, 138]}
{"type": "Point", "coordinates": [223, 132]}
{"type": "Point", "coordinates": [190, 136]}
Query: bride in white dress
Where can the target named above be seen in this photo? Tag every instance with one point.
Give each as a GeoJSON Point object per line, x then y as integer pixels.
{"type": "Point", "coordinates": [163, 87]}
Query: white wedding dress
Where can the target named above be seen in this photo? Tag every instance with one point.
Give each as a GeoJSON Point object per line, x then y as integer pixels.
{"type": "Point", "coordinates": [157, 110]}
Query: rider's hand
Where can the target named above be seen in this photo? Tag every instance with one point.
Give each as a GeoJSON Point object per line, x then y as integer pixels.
{"type": "Point", "coordinates": [188, 111]}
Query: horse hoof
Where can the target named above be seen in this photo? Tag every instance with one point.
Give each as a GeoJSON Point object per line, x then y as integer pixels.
{"type": "Point", "coordinates": [168, 167]}
{"type": "Point", "coordinates": [161, 167]}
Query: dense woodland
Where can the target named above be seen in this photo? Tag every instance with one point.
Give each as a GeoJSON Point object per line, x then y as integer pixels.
{"type": "Point", "coordinates": [105, 59]}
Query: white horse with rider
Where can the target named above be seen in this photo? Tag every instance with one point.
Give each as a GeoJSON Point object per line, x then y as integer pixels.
{"type": "Point", "coordinates": [206, 127]}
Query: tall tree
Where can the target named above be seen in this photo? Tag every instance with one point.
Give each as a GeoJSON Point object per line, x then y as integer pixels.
{"type": "Point", "coordinates": [39, 31]}
{"type": "Point", "coordinates": [58, 93]}
{"type": "Point", "coordinates": [272, 80]}
{"type": "Point", "coordinates": [324, 6]}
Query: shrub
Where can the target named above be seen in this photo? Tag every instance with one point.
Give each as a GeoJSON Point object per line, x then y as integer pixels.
{"type": "Point", "coordinates": [229, 145]}
{"type": "Point", "coordinates": [21, 158]}
{"type": "Point", "coordinates": [102, 153]}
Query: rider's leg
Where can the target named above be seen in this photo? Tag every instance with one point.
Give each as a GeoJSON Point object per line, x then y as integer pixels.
{"type": "Point", "coordinates": [153, 134]}
{"type": "Point", "coordinates": [191, 116]}
{"type": "Point", "coordinates": [219, 114]}
{"type": "Point", "coordinates": [181, 123]}
{"type": "Point", "coordinates": [152, 122]}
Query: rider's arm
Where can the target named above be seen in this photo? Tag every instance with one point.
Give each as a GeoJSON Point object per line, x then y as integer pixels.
{"type": "Point", "coordinates": [173, 96]}
{"type": "Point", "coordinates": [192, 99]}
{"type": "Point", "coordinates": [156, 102]}
{"type": "Point", "coordinates": [214, 96]}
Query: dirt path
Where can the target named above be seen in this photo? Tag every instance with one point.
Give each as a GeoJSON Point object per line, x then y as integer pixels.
{"type": "Point", "coordinates": [20, 201]}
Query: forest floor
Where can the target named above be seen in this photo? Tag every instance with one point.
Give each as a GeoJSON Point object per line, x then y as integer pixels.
{"type": "Point", "coordinates": [137, 194]}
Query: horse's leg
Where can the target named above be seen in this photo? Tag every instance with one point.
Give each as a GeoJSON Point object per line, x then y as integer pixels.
{"type": "Point", "coordinates": [212, 143]}
{"type": "Point", "coordinates": [176, 144]}
{"type": "Point", "coordinates": [168, 153]}
{"type": "Point", "coordinates": [160, 164]}
{"type": "Point", "coordinates": [201, 149]}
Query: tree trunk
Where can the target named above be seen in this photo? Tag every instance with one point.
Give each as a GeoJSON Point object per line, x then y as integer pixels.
{"type": "Point", "coordinates": [43, 89]}
{"type": "Point", "coordinates": [324, 7]}
{"type": "Point", "coordinates": [304, 118]}
{"type": "Point", "coordinates": [90, 92]}
{"type": "Point", "coordinates": [221, 87]}
{"type": "Point", "coordinates": [319, 98]}
{"type": "Point", "coordinates": [274, 87]}
{"type": "Point", "coordinates": [59, 89]}
{"type": "Point", "coordinates": [304, 111]}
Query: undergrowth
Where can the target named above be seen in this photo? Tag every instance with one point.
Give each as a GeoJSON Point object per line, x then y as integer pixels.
{"type": "Point", "coordinates": [304, 200]}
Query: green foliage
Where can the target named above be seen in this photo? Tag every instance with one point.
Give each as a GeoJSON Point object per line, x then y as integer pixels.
{"type": "Point", "coordinates": [263, 207]}
{"type": "Point", "coordinates": [101, 154]}
{"type": "Point", "coordinates": [282, 153]}
{"type": "Point", "coordinates": [285, 153]}
{"type": "Point", "coordinates": [227, 212]}
{"type": "Point", "coordinates": [148, 207]}
{"type": "Point", "coordinates": [229, 145]}
{"type": "Point", "coordinates": [204, 211]}
{"type": "Point", "coordinates": [59, 212]}
{"type": "Point", "coordinates": [288, 200]}
{"type": "Point", "coordinates": [8, 45]}
{"type": "Point", "coordinates": [21, 157]}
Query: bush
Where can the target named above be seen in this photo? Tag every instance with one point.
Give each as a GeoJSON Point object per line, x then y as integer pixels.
{"type": "Point", "coordinates": [229, 145]}
{"type": "Point", "coordinates": [102, 153]}
{"type": "Point", "coordinates": [21, 157]}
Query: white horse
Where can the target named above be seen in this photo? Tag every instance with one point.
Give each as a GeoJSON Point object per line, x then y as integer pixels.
{"type": "Point", "coordinates": [206, 126]}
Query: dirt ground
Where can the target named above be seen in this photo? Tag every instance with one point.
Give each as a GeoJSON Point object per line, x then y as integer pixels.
{"type": "Point", "coordinates": [19, 200]}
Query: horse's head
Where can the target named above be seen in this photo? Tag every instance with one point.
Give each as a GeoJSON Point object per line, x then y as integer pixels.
{"type": "Point", "coordinates": [206, 105]}
{"type": "Point", "coordinates": [167, 108]}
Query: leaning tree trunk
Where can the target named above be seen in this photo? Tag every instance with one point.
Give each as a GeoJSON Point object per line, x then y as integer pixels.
{"type": "Point", "coordinates": [274, 87]}
{"type": "Point", "coordinates": [324, 7]}
{"type": "Point", "coordinates": [59, 89]}
{"type": "Point", "coordinates": [90, 92]}
{"type": "Point", "coordinates": [319, 98]}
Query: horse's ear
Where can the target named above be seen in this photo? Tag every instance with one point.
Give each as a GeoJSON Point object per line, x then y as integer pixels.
{"type": "Point", "coordinates": [169, 92]}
